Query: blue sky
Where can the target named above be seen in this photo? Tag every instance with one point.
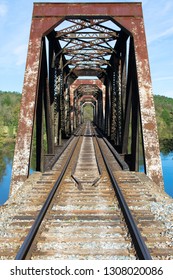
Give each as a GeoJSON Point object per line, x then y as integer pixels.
{"type": "Point", "coordinates": [15, 20]}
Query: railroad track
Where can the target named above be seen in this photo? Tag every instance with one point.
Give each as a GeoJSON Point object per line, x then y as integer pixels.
{"type": "Point", "coordinates": [85, 215]}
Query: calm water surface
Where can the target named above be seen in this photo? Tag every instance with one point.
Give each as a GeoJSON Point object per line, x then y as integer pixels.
{"type": "Point", "coordinates": [5, 181]}
{"type": "Point", "coordinates": [167, 165]}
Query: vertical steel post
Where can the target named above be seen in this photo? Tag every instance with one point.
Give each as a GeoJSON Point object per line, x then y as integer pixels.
{"type": "Point", "coordinates": [128, 100]}
{"type": "Point", "coordinates": [47, 104]}
{"type": "Point", "coordinates": [39, 126]}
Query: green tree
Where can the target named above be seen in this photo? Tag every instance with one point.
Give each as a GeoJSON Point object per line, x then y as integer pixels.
{"type": "Point", "coordinates": [166, 117]}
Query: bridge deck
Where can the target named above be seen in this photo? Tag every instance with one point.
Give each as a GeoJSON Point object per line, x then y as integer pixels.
{"type": "Point", "coordinates": [87, 224]}
{"type": "Point", "coordinates": [141, 193]}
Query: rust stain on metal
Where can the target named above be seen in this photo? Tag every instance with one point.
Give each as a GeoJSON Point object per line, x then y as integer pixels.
{"type": "Point", "coordinates": [79, 82]}
{"type": "Point", "coordinates": [78, 9]}
{"type": "Point", "coordinates": [148, 117]}
{"type": "Point", "coordinates": [149, 125]}
{"type": "Point", "coordinates": [26, 119]}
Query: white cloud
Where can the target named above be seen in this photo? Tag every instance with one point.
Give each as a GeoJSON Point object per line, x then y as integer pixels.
{"type": "Point", "coordinates": [166, 8]}
{"type": "Point", "coordinates": [20, 53]}
{"type": "Point", "coordinates": [167, 32]}
{"type": "Point", "coordinates": [3, 10]}
{"type": "Point", "coordinates": [144, 2]}
{"type": "Point", "coordinates": [169, 93]}
{"type": "Point", "coordinates": [163, 78]}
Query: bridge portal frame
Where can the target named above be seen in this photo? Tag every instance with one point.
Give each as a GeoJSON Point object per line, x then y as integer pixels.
{"type": "Point", "coordinates": [46, 16]}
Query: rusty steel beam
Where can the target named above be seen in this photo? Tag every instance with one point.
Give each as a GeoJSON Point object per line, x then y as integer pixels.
{"type": "Point", "coordinates": [81, 85]}
{"type": "Point", "coordinates": [146, 103]}
{"type": "Point", "coordinates": [79, 25]}
{"type": "Point", "coordinates": [86, 35]}
{"type": "Point", "coordinates": [79, 82]}
{"type": "Point", "coordinates": [23, 147]}
{"type": "Point", "coordinates": [89, 52]}
{"type": "Point", "coordinates": [87, 9]}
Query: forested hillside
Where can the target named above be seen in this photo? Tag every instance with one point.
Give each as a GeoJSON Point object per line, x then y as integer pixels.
{"type": "Point", "coordinates": [10, 106]}
{"type": "Point", "coordinates": [164, 116]}
{"type": "Point", "coordinates": [9, 110]}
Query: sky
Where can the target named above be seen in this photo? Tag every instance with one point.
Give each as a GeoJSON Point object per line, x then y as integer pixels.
{"type": "Point", "coordinates": [15, 21]}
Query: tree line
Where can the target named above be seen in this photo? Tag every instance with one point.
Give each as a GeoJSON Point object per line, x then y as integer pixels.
{"type": "Point", "coordinates": [164, 116]}
{"type": "Point", "coordinates": [10, 107]}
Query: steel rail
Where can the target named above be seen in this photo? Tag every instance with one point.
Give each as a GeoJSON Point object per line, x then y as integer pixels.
{"type": "Point", "coordinates": [139, 244]}
{"type": "Point", "coordinates": [79, 183]}
{"type": "Point", "coordinates": [55, 158]}
{"type": "Point", "coordinates": [24, 249]}
{"type": "Point", "coordinates": [121, 162]}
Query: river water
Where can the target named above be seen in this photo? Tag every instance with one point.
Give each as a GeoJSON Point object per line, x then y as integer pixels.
{"type": "Point", "coordinates": [167, 166]}
{"type": "Point", "coordinates": [6, 169]}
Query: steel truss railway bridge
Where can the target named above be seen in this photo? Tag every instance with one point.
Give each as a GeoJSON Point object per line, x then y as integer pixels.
{"type": "Point", "coordinates": [82, 55]}
{"type": "Point", "coordinates": [87, 62]}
